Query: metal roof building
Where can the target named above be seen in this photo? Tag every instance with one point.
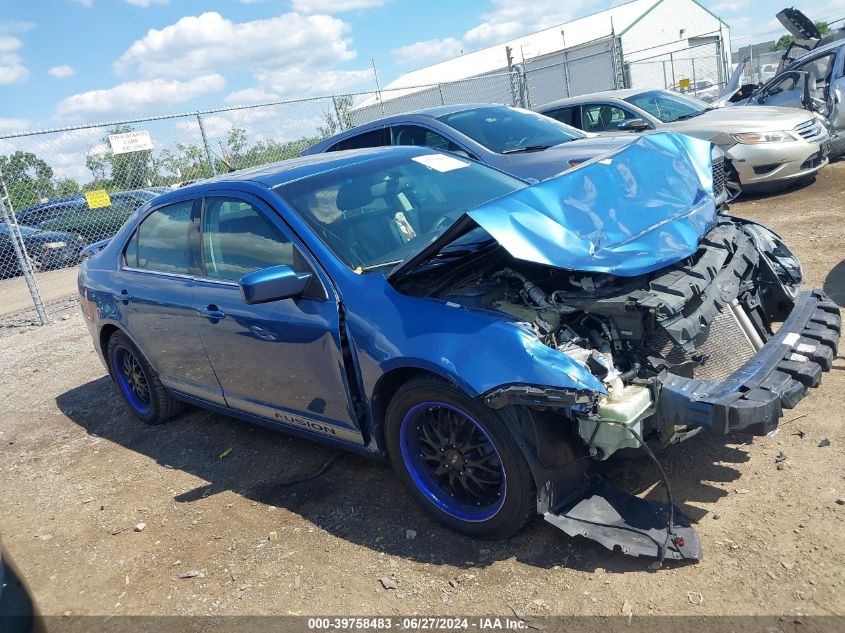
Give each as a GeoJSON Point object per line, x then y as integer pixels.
{"type": "Point", "coordinates": [626, 45]}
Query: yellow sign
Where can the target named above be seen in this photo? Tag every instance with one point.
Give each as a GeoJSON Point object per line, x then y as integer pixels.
{"type": "Point", "coordinates": [97, 199]}
{"type": "Point", "coordinates": [684, 84]}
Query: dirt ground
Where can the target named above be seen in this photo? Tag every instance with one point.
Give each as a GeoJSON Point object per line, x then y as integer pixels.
{"type": "Point", "coordinates": [77, 473]}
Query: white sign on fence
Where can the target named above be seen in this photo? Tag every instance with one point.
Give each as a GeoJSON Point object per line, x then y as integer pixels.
{"type": "Point", "coordinates": [130, 142]}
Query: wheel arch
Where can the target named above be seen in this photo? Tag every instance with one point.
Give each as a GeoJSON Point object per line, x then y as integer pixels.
{"type": "Point", "coordinates": [386, 387]}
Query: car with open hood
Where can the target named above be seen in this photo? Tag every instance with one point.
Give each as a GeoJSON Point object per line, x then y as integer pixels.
{"type": "Point", "coordinates": [767, 149]}
{"type": "Point", "coordinates": [810, 75]}
{"type": "Point", "coordinates": [495, 340]}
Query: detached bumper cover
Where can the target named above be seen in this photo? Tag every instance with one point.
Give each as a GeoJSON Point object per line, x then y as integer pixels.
{"type": "Point", "coordinates": [752, 399]}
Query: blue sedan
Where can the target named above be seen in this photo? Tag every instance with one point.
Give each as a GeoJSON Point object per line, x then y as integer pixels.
{"type": "Point", "coordinates": [495, 341]}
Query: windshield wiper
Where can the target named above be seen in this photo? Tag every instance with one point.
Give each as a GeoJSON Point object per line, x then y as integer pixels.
{"type": "Point", "coordinates": [527, 148]}
{"type": "Point", "coordinates": [684, 117]}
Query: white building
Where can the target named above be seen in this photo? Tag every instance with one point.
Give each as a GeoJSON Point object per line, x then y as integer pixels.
{"type": "Point", "coordinates": [653, 43]}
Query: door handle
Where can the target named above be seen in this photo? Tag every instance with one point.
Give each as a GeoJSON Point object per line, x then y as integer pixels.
{"type": "Point", "coordinates": [211, 311]}
{"type": "Point", "coordinates": [123, 295]}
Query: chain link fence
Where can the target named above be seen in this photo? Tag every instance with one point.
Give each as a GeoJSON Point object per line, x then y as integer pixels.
{"type": "Point", "coordinates": [761, 67]}
{"type": "Point", "coordinates": [697, 71]}
{"type": "Point", "coordinates": [62, 190]}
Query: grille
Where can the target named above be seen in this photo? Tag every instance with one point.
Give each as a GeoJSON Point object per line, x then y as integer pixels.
{"type": "Point", "coordinates": [811, 130]}
{"type": "Point", "coordinates": [718, 176]}
{"type": "Point", "coordinates": [726, 349]}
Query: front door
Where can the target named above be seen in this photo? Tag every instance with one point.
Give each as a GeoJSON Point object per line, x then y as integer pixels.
{"type": "Point", "coordinates": [280, 360]}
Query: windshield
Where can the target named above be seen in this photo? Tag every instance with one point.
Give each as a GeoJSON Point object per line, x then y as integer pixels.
{"type": "Point", "coordinates": [668, 106]}
{"type": "Point", "coordinates": [508, 130]}
{"type": "Point", "coordinates": [380, 211]}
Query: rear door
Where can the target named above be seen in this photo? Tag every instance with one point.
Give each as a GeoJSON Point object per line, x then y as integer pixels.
{"type": "Point", "coordinates": [153, 290]}
{"type": "Point", "coordinates": [283, 359]}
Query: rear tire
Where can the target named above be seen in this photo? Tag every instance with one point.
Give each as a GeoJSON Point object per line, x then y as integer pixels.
{"type": "Point", "coordinates": [459, 460]}
{"type": "Point", "coordinates": [138, 382]}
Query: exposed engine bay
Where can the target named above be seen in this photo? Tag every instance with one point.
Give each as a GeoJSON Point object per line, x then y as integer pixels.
{"type": "Point", "coordinates": [701, 318]}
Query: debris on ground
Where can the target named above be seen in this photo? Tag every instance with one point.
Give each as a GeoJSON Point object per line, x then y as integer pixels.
{"type": "Point", "coordinates": [410, 535]}
{"type": "Point", "coordinates": [627, 611]}
{"type": "Point", "coordinates": [824, 442]}
{"type": "Point", "coordinates": [194, 573]}
{"type": "Point", "coordinates": [273, 536]}
{"type": "Point", "coordinates": [225, 453]}
{"type": "Point", "coordinates": [695, 597]}
{"type": "Point", "coordinates": [139, 527]}
{"type": "Point", "coordinates": [388, 583]}
{"type": "Point", "coordinates": [741, 491]}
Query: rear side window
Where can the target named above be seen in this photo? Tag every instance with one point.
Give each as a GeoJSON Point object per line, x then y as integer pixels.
{"type": "Point", "coordinates": [161, 242]}
{"type": "Point", "coordinates": [375, 138]}
{"type": "Point", "coordinates": [564, 115]}
{"type": "Point", "coordinates": [237, 238]}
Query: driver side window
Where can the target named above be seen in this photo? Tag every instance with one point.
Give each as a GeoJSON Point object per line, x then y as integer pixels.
{"type": "Point", "coordinates": [421, 136]}
{"type": "Point", "coordinates": [603, 117]}
{"type": "Point", "coordinates": [237, 238]}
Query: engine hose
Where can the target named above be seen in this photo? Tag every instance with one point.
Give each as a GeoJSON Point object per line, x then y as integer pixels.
{"type": "Point", "coordinates": [628, 376]}
{"type": "Point", "coordinates": [531, 290]}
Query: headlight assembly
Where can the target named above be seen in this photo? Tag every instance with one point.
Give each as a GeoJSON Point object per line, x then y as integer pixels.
{"type": "Point", "coordinates": [53, 245]}
{"type": "Point", "coordinates": [750, 138]}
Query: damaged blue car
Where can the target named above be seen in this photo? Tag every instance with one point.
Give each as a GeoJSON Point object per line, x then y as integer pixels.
{"type": "Point", "coordinates": [495, 340]}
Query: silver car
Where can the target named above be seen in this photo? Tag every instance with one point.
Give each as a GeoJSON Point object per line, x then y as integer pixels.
{"type": "Point", "coordinates": [767, 148]}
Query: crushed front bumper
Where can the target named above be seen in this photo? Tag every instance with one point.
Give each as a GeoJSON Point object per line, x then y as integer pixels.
{"type": "Point", "coordinates": [752, 399]}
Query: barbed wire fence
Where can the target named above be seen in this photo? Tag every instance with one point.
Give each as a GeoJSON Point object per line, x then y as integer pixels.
{"type": "Point", "coordinates": [64, 189]}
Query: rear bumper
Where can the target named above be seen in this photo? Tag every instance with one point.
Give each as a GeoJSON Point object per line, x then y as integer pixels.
{"type": "Point", "coordinates": [752, 399]}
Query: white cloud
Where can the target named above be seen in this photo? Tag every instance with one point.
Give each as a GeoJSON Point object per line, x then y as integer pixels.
{"type": "Point", "coordinates": [332, 6]}
{"type": "Point", "coordinates": [277, 84]}
{"type": "Point", "coordinates": [211, 43]}
{"type": "Point", "coordinates": [145, 97]}
{"type": "Point", "coordinates": [430, 50]}
{"type": "Point", "coordinates": [14, 125]}
{"type": "Point", "coordinates": [509, 18]}
{"type": "Point", "coordinates": [488, 32]}
{"type": "Point", "coordinates": [12, 69]}
{"type": "Point", "coordinates": [731, 6]}
{"type": "Point", "coordinates": [60, 72]}
{"type": "Point", "coordinates": [146, 3]}
{"type": "Point", "coordinates": [84, 3]}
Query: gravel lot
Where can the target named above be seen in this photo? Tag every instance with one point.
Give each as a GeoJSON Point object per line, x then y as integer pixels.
{"type": "Point", "coordinates": [78, 473]}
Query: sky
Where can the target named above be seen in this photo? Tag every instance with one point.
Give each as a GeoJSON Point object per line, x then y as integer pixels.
{"type": "Point", "coordinates": [67, 62]}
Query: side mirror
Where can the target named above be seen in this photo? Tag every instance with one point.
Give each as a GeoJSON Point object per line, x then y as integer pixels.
{"type": "Point", "coordinates": [272, 284]}
{"type": "Point", "coordinates": [634, 125]}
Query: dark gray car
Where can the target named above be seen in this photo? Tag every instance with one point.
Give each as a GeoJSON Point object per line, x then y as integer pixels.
{"type": "Point", "coordinates": [516, 141]}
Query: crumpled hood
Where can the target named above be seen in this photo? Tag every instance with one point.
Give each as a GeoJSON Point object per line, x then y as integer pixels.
{"type": "Point", "coordinates": [639, 209]}
{"type": "Point", "coordinates": [632, 212]}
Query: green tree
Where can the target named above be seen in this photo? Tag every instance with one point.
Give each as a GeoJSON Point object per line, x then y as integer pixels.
{"type": "Point", "coordinates": [66, 187]}
{"type": "Point", "coordinates": [28, 178]}
{"type": "Point", "coordinates": [337, 118]}
{"type": "Point", "coordinates": [784, 42]}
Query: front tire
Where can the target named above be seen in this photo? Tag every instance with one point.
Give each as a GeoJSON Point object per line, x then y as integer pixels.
{"type": "Point", "coordinates": [459, 460]}
{"type": "Point", "coordinates": [138, 382]}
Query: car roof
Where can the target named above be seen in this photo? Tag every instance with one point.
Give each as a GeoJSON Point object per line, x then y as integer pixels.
{"type": "Point", "coordinates": [286, 171]}
{"type": "Point", "coordinates": [597, 96]}
{"type": "Point", "coordinates": [424, 113]}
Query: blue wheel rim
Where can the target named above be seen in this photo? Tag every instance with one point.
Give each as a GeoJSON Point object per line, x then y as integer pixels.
{"type": "Point", "coordinates": [131, 379]}
{"type": "Point", "coordinates": [452, 461]}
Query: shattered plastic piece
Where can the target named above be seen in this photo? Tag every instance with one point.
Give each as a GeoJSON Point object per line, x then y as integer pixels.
{"type": "Point", "coordinates": [623, 522]}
